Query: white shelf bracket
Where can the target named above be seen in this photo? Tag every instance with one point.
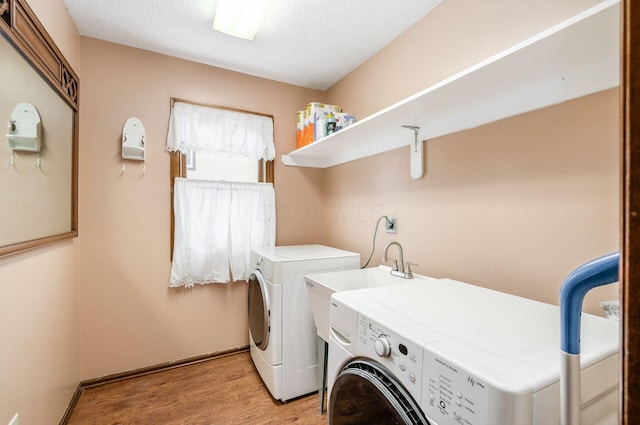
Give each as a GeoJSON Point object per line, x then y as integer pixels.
{"type": "Point", "coordinates": [417, 155]}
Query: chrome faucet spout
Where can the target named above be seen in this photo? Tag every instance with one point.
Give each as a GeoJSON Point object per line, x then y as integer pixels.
{"type": "Point", "coordinates": [399, 270]}
{"type": "Point", "coordinates": [399, 263]}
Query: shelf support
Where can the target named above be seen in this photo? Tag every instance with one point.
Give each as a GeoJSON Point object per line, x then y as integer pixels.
{"type": "Point", "coordinates": [417, 156]}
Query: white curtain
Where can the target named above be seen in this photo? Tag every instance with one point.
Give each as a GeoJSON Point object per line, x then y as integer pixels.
{"type": "Point", "coordinates": [216, 226]}
{"type": "Point", "coordinates": [220, 131]}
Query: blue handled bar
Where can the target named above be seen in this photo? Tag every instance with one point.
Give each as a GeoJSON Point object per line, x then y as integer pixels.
{"type": "Point", "coordinates": [598, 272]}
{"type": "Point", "coordinates": [601, 271]}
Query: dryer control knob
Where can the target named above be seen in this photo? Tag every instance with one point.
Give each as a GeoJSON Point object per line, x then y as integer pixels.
{"type": "Point", "coordinates": [383, 346]}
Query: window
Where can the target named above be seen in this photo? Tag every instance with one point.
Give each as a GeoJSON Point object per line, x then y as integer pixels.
{"type": "Point", "coordinates": [208, 166]}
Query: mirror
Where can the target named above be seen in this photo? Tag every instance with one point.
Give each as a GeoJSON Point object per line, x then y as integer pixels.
{"type": "Point", "coordinates": [38, 143]}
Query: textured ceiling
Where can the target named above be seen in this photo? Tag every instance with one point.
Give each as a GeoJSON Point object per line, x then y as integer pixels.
{"type": "Point", "coordinates": [309, 43]}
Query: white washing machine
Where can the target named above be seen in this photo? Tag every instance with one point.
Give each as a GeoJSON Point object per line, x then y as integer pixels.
{"type": "Point", "coordinates": [449, 353]}
{"type": "Point", "coordinates": [282, 334]}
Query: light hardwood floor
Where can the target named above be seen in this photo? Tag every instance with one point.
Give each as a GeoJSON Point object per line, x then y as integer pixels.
{"type": "Point", "coordinates": [225, 391]}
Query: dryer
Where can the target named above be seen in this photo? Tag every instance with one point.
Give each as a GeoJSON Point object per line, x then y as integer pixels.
{"type": "Point", "coordinates": [444, 352]}
{"type": "Point", "coordinates": [282, 334]}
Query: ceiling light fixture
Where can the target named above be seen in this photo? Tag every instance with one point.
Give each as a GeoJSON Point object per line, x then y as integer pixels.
{"type": "Point", "coordinates": [240, 18]}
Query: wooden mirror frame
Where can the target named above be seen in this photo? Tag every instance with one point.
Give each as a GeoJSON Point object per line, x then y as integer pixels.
{"type": "Point", "coordinates": [22, 29]}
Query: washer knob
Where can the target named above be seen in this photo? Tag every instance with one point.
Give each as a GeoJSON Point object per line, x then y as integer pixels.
{"type": "Point", "coordinates": [382, 346]}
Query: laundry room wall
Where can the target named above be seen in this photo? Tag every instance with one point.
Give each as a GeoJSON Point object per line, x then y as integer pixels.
{"type": "Point", "coordinates": [39, 302]}
{"type": "Point", "coordinates": [129, 317]}
{"type": "Point", "coordinates": [514, 205]}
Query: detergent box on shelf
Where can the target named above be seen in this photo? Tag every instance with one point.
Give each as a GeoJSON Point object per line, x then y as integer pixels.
{"type": "Point", "coordinates": [314, 121]}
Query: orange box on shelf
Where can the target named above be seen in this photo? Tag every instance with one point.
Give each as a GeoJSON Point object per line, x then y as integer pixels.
{"type": "Point", "coordinates": [300, 129]}
{"type": "Point", "coordinates": [306, 129]}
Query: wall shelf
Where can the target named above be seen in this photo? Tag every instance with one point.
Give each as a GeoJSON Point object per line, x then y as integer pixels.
{"type": "Point", "coordinates": [577, 57]}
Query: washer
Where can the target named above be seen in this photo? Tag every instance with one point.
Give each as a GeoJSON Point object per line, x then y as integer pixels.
{"type": "Point", "coordinates": [449, 353]}
{"type": "Point", "coordinates": [282, 334]}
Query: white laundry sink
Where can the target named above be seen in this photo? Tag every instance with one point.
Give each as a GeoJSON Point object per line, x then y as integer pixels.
{"type": "Point", "coordinates": [322, 285]}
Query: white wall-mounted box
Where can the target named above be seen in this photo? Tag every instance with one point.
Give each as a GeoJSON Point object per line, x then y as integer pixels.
{"type": "Point", "coordinates": [23, 129]}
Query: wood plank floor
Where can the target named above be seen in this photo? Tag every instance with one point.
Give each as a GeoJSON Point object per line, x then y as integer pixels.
{"type": "Point", "coordinates": [225, 391]}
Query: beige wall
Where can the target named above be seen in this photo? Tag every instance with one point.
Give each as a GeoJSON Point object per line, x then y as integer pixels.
{"type": "Point", "coordinates": [129, 317]}
{"type": "Point", "coordinates": [457, 34]}
{"type": "Point", "coordinates": [514, 205]}
{"type": "Point", "coordinates": [39, 302]}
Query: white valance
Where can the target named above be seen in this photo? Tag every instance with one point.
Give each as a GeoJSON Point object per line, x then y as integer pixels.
{"type": "Point", "coordinates": [220, 131]}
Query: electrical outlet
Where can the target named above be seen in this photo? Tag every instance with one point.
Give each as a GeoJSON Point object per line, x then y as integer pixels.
{"type": "Point", "coordinates": [391, 225]}
{"type": "Point", "coordinates": [14, 420]}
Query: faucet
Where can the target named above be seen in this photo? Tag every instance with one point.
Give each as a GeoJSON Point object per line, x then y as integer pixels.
{"type": "Point", "coordinates": [398, 269]}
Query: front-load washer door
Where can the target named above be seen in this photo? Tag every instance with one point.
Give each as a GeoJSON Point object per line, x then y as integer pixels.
{"type": "Point", "coordinates": [365, 393]}
{"type": "Point", "coordinates": [259, 309]}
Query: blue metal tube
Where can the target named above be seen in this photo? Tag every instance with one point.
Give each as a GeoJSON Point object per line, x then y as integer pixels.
{"type": "Point", "coordinates": [598, 272]}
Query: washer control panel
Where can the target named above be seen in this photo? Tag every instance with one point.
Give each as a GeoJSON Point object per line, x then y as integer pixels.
{"type": "Point", "coordinates": [451, 395]}
{"type": "Point", "coordinates": [400, 355]}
